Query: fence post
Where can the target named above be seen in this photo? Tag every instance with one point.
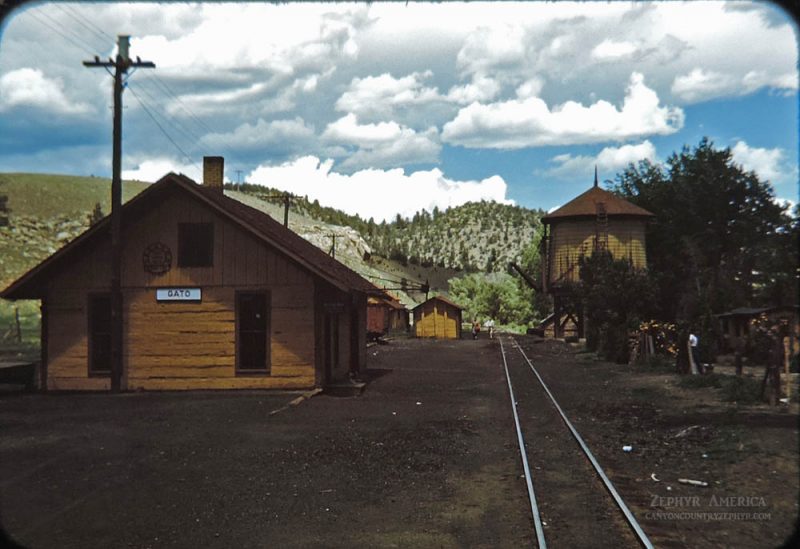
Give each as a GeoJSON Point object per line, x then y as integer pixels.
{"type": "Point", "coordinates": [19, 329]}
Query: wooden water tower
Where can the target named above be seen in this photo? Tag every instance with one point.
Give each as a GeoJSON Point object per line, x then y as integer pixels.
{"type": "Point", "coordinates": [595, 220]}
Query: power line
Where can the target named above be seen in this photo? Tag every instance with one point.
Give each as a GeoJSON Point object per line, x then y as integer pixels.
{"type": "Point", "coordinates": [83, 46]}
{"type": "Point", "coordinates": [88, 21]}
{"type": "Point", "coordinates": [102, 35]}
{"type": "Point", "coordinates": [160, 83]}
{"type": "Point", "coordinates": [160, 127]}
{"type": "Point", "coordinates": [177, 98]}
{"type": "Point", "coordinates": [170, 120]}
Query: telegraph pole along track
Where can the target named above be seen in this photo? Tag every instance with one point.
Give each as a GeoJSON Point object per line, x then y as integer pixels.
{"type": "Point", "coordinates": [573, 503]}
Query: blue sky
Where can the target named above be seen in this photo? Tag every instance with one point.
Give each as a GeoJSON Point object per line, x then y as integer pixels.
{"type": "Point", "coordinates": [388, 108]}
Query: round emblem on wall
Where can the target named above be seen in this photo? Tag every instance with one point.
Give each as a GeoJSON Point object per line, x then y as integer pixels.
{"type": "Point", "coordinates": [157, 258]}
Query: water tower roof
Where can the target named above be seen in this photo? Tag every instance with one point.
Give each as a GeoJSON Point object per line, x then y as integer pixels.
{"type": "Point", "coordinates": [585, 205]}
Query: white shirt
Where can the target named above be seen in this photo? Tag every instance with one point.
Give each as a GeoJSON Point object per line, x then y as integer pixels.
{"type": "Point", "coordinates": [693, 340]}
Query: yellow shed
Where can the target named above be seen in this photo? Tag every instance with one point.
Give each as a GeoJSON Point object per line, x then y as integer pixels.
{"type": "Point", "coordinates": [437, 317]}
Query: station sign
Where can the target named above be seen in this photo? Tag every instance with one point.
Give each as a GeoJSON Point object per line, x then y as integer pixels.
{"type": "Point", "coordinates": [178, 294]}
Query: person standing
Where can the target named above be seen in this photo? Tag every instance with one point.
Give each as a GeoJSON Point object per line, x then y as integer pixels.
{"type": "Point", "coordinates": [490, 327]}
{"type": "Point", "coordinates": [694, 354]}
{"type": "Point", "coordinates": [476, 328]}
{"type": "Point", "coordinates": [775, 359]}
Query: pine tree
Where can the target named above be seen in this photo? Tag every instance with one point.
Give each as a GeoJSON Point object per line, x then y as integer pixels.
{"type": "Point", "coordinates": [96, 216]}
{"type": "Point", "coordinates": [3, 206]}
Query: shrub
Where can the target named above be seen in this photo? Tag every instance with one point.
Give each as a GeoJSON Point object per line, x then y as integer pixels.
{"type": "Point", "coordinates": [697, 382]}
{"type": "Point", "coordinates": [744, 390]}
{"type": "Point", "coordinates": [660, 363]}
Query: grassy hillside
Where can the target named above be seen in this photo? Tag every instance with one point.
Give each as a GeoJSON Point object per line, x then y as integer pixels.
{"type": "Point", "coordinates": [49, 196]}
{"type": "Point", "coordinates": [47, 211]}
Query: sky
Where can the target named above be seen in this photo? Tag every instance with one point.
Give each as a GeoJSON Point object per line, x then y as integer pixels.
{"type": "Point", "coordinates": [387, 108]}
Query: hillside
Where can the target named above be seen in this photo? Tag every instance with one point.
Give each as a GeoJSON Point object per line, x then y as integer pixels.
{"type": "Point", "coordinates": [47, 211]}
{"type": "Point", "coordinates": [478, 236]}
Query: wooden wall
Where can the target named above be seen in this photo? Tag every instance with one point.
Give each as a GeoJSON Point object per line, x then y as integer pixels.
{"type": "Point", "coordinates": [185, 345]}
{"type": "Point", "coordinates": [569, 240]}
{"type": "Point", "coordinates": [377, 317]}
{"type": "Point", "coordinates": [437, 319]}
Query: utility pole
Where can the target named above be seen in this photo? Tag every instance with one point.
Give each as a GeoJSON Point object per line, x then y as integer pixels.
{"type": "Point", "coordinates": [120, 65]}
{"type": "Point", "coordinates": [286, 209]}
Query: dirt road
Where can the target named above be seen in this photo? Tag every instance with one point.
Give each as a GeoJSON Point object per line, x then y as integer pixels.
{"type": "Point", "coordinates": [426, 457]}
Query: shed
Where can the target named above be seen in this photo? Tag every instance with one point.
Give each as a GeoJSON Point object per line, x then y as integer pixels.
{"type": "Point", "coordinates": [595, 220]}
{"type": "Point", "coordinates": [437, 317]}
{"type": "Point", "coordinates": [385, 314]}
{"type": "Point", "coordinates": [735, 325]}
{"type": "Point", "coordinates": [216, 295]}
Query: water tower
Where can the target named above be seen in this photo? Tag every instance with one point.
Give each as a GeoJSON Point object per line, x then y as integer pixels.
{"type": "Point", "coordinates": [595, 220]}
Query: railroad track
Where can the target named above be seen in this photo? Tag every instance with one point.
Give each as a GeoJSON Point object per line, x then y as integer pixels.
{"type": "Point", "coordinates": [573, 502]}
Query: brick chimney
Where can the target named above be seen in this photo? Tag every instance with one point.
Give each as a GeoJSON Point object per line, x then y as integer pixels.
{"type": "Point", "coordinates": [213, 170]}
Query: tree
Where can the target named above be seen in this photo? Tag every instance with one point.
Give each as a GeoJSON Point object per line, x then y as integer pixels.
{"type": "Point", "coordinates": [3, 205]}
{"type": "Point", "coordinates": [96, 216]}
{"type": "Point", "coordinates": [494, 296]}
{"type": "Point", "coordinates": [531, 264]}
{"type": "Point", "coordinates": [616, 298]}
{"type": "Point", "coordinates": [719, 238]}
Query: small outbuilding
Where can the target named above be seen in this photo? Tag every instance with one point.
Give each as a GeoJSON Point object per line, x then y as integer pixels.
{"type": "Point", "coordinates": [386, 315]}
{"type": "Point", "coordinates": [215, 295]}
{"type": "Point", "coordinates": [437, 317]}
{"type": "Point", "coordinates": [735, 325]}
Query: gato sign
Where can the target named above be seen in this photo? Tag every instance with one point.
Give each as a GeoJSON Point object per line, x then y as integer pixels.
{"type": "Point", "coordinates": [178, 294]}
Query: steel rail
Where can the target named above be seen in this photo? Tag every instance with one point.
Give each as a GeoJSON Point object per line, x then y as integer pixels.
{"type": "Point", "coordinates": [643, 539]}
{"type": "Point", "coordinates": [537, 521]}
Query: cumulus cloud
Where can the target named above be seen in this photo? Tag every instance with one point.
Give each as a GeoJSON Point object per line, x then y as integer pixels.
{"type": "Point", "coordinates": [481, 88]}
{"type": "Point", "coordinates": [379, 96]}
{"type": "Point", "coordinates": [490, 47]}
{"type": "Point", "coordinates": [381, 194]}
{"type": "Point", "coordinates": [281, 40]}
{"type": "Point", "coordinates": [285, 135]}
{"type": "Point", "coordinates": [613, 50]}
{"type": "Point", "coordinates": [31, 88]}
{"type": "Point", "coordinates": [530, 88]}
{"type": "Point", "coordinates": [702, 84]}
{"type": "Point", "coordinates": [385, 144]}
{"type": "Point", "coordinates": [154, 169]}
{"type": "Point", "coordinates": [609, 160]}
{"type": "Point", "coordinates": [766, 163]}
{"type": "Point", "coordinates": [530, 122]}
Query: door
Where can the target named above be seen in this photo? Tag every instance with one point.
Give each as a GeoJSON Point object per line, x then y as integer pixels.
{"type": "Point", "coordinates": [252, 329]}
{"type": "Point", "coordinates": [331, 345]}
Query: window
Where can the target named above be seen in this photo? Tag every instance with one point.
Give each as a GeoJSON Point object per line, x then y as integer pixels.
{"type": "Point", "coordinates": [252, 332]}
{"type": "Point", "coordinates": [100, 335]}
{"type": "Point", "coordinates": [195, 244]}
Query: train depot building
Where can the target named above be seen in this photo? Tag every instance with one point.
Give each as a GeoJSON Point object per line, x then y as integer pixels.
{"type": "Point", "coordinates": [215, 295]}
{"type": "Point", "coordinates": [438, 317]}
